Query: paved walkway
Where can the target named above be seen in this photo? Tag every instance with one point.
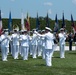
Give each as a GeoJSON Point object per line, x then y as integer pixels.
{"type": "Point", "coordinates": [66, 48]}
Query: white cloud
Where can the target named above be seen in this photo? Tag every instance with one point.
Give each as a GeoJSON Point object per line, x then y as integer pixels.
{"type": "Point", "coordinates": [74, 1]}
{"type": "Point", "coordinates": [48, 3]}
{"type": "Point", "coordinates": [49, 11]}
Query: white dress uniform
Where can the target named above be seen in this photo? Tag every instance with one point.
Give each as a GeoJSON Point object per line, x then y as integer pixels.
{"type": "Point", "coordinates": [30, 45]}
{"type": "Point", "coordinates": [39, 46]}
{"type": "Point", "coordinates": [11, 43]}
{"type": "Point", "coordinates": [34, 44]}
{"type": "Point", "coordinates": [25, 46]}
{"type": "Point", "coordinates": [15, 41]}
{"type": "Point", "coordinates": [20, 48]}
{"type": "Point", "coordinates": [62, 38]}
{"type": "Point", "coordinates": [48, 46]}
{"type": "Point", "coordinates": [4, 46]}
{"type": "Point", "coordinates": [43, 47]}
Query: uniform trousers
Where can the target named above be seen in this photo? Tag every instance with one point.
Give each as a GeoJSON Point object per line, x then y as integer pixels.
{"type": "Point", "coordinates": [20, 49]}
{"type": "Point", "coordinates": [34, 51]}
{"type": "Point", "coordinates": [31, 48]}
{"type": "Point", "coordinates": [4, 53]}
{"type": "Point", "coordinates": [15, 51]}
{"type": "Point", "coordinates": [43, 52]}
{"type": "Point", "coordinates": [11, 45]}
{"type": "Point", "coordinates": [62, 51]}
{"type": "Point", "coordinates": [25, 52]}
{"type": "Point", "coordinates": [39, 50]}
{"type": "Point", "coordinates": [7, 49]}
{"type": "Point", "coordinates": [48, 57]}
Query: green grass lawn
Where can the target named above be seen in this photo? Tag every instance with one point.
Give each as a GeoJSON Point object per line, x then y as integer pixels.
{"type": "Point", "coordinates": [37, 66]}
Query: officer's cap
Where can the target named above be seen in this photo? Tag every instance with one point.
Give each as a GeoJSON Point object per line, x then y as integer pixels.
{"type": "Point", "coordinates": [34, 29]}
{"type": "Point", "coordinates": [23, 30]}
{"type": "Point", "coordinates": [62, 29]}
{"type": "Point", "coordinates": [47, 28]}
{"type": "Point", "coordinates": [43, 30]}
{"type": "Point", "coordinates": [5, 30]}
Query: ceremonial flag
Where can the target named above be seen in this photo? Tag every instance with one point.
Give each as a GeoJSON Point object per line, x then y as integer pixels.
{"type": "Point", "coordinates": [37, 23]}
{"type": "Point", "coordinates": [27, 24]}
{"type": "Point", "coordinates": [63, 22]}
{"type": "Point", "coordinates": [0, 23]}
{"type": "Point", "coordinates": [73, 25]}
{"type": "Point", "coordinates": [56, 27]}
{"type": "Point", "coordinates": [10, 23]}
{"type": "Point", "coordinates": [47, 21]}
{"type": "Point", "coordinates": [22, 22]}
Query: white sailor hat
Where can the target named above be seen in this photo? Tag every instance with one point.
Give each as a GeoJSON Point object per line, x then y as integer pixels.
{"type": "Point", "coordinates": [23, 30]}
{"type": "Point", "coordinates": [5, 30]}
{"type": "Point", "coordinates": [30, 31]}
{"type": "Point", "coordinates": [43, 30]}
{"type": "Point", "coordinates": [47, 28]}
{"type": "Point", "coordinates": [34, 29]}
{"type": "Point", "coordinates": [15, 29]}
{"type": "Point", "coordinates": [62, 29]}
{"type": "Point", "coordinates": [39, 30]}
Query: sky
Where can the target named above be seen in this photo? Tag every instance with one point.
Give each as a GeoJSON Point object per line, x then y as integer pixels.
{"type": "Point", "coordinates": [41, 6]}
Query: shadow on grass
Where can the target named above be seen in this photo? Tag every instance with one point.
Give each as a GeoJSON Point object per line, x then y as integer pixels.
{"type": "Point", "coordinates": [56, 57]}
{"type": "Point", "coordinates": [40, 65]}
{"type": "Point", "coordinates": [73, 53]}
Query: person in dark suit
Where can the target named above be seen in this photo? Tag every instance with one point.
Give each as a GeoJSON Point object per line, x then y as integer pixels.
{"type": "Point", "coordinates": [70, 40]}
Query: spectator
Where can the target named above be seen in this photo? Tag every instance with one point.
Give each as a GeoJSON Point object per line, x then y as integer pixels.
{"type": "Point", "coordinates": [70, 40]}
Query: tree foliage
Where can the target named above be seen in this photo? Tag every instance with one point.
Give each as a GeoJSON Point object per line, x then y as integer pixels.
{"type": "Point", "coordinates": [33, 23]}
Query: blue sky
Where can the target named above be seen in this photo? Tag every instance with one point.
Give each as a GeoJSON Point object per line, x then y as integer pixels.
{"type": "Point", "coordinates": [40, 6]}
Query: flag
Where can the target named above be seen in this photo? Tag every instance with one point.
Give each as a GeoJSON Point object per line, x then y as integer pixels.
{"type": "Point", "coordinates": [0, 23]}
{"type": "Point", "coordinates": [10, 23]}
{"type": "Point", "coordinates": [63, 22]}
{"type": "Point", "coordinates": [27, 24]}
{"type": "Point", "coordinates": [56, 27]}
{"type": "Point", "coordinates": [22, 22]}
{"type": "Point", "coordinates": [37, 23]}
{"type": "Point", "coordinates": [47, 21]}
{"type": "Point", "coordinates": [73, 25]}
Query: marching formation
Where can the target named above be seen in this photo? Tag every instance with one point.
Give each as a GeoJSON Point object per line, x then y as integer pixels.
{"type": "Point", "coordinates": [36, 43]}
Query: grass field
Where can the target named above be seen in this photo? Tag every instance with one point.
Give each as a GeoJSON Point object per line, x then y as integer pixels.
{"type": "Point", "coordinates": [37, 66]}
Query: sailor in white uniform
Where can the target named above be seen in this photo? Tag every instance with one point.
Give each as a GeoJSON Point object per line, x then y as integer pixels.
{"type": "Point", "coordinates": [62, 38]}
{"type": "Point", "coordinates": [11, 43]}
{"type": "Point", "coordinates": [43, 44]}
{"type": "Point", "coordinates": [48, 45]}
{"type": "Point", "coordinates": [39, 45]}
{"type": "Point", "coordinates": [4, 44]}
{"type": "Point", "coordinates": [34, 44]}
{"type": "Point", "coordinates": [25, 44]}
{"type": "Point", "coordinates": [20, 47]}
{"type": "Point", "coordinates": [30, 45]}
{"type": "Point", "coordinates": [15, 41]}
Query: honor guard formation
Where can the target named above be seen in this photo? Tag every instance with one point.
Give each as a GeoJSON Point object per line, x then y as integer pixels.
{"type": "Point", "coordinates": [35, 43]}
